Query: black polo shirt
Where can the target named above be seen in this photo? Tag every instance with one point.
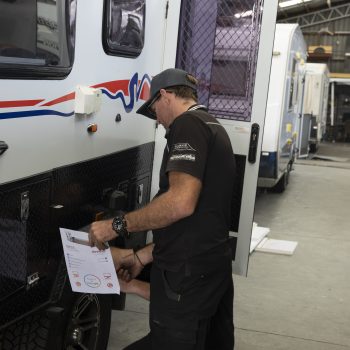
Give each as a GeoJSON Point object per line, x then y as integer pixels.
{"type": "Point", "coordinates": [197, 144]}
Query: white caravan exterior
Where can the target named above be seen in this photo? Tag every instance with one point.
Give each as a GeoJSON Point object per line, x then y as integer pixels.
{"type": "Point", "coordinates": [283, 107]}
{"type": "Point", "coordinates": [316, 100]}
{"type": "Point", "coordinates": [73, 150]}
{"type": "Point", "coordinates": [59, 135]}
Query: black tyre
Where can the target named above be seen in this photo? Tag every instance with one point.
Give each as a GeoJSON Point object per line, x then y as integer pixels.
{"type": "Point", "coordinates": [87, 322]}
{"type": "Point", "coordinates": [312, 148]}
{"type": "Point", "coordinates": [84, 325]}
{"type": "Point", "coordinates": [281, 184]}
{"type": "Point", "coordinates": [28, 333]}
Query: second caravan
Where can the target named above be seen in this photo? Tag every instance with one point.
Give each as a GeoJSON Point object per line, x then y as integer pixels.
{"type": "Point", "coordinates": [316, 101]}
{"type": "Point", "coordinates": [283, 107]}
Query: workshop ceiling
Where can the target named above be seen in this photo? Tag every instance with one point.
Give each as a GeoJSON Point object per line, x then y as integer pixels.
{"type": "Point", "coordinates": [291, 8]}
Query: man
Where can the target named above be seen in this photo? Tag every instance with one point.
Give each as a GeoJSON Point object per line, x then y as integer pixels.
{"type": "Point", "coordinates": [191, 290]}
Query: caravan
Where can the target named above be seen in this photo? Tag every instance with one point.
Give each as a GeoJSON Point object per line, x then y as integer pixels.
{"type": "Point", "coordinates": [283, 107]}
{"type": "Point", "coordinates": [316, 101]}
{"type": "Point", "coordinates": [73, 149]}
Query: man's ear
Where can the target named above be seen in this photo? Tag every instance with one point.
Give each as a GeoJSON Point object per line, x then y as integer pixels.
{"type": "Point", "coordinates": [165, 95]}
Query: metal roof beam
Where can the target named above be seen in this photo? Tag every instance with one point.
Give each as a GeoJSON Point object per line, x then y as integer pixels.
{"type": "Point", "coordinates": [319, 17]}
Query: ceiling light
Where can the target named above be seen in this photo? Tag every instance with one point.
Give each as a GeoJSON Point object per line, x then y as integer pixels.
{"type": "Point", "coordinates": [289, 3]}
{"type": "Point", "coordinates": [244, 14]}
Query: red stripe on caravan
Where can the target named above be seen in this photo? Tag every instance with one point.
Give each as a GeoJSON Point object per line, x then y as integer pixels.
{"type": "Point", "coordinates": [115, 85]}
{"type": "Point", "coordinates": [68, 97]}
{"type": "Point", "coordinates": [112, 86]}
{"type": "Point", "coordinates": [145, 92]}
{"type": "Point", "coordinates": [23, 103]}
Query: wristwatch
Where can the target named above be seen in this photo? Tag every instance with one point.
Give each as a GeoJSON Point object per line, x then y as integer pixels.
{"type": "Point", "coordinates": [119, 226]}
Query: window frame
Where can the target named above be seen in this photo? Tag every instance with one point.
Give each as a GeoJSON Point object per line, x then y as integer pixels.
{"type": "Point", "coordinates": [128, 52]}
{"type": "Point", "coordinates": [35, 72]}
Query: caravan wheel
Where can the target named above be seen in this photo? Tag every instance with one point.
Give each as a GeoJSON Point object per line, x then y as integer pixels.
{"type": "Point", "coordinates": [281, 184]}
{"type": "Point", "coordinates": [88, 322]}
{"type": "Point", "coordinates": [283, 181]}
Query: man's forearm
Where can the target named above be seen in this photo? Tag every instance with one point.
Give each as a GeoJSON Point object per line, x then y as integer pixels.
{"type": "Point", "coordinates": [177, 203]}
{"type": "Point", "coordinates": [145, 254]}
{"type": "Point", "coordinates": [161, 212]}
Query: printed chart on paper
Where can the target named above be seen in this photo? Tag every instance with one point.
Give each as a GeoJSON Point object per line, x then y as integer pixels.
{"type": "Point", "coordinates": [90, 270]}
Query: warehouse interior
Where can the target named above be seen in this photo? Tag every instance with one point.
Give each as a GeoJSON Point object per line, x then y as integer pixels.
{"type": "Point", "coordinates": [299, 301]}
{"type": "Point", "coordinates": [87, 139]}
{"type": "Point", "coordinates": [286, 302]}
{"type": "Point", "coordinates": [325, 26]}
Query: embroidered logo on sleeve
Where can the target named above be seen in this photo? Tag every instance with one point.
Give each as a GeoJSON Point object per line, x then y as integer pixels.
{"type": "Point", "coordinates": [190, 157]}
{"type": "Point", "coordinates": [183, 147]}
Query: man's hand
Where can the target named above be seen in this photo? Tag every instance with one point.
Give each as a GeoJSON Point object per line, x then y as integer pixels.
{"type": "Point", "coordinates": [126, 263]}
{"type": "Point", "coordinates": [100, 232]}
{"type": "Point", "coordinates": [129, 268]}
{"type": "Point", "coordinates": [136, 287]}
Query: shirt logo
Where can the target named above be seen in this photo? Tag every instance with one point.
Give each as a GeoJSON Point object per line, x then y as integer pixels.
{"type": "Point", "coordinates": [183, 147]}
{"type": "Point", "coordinates": [190, 157]}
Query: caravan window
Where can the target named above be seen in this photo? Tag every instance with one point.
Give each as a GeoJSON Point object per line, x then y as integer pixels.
{"type": "Point", "coordinates": [124, 27]}
{"type": "Point", "coordinates": [36, 38]}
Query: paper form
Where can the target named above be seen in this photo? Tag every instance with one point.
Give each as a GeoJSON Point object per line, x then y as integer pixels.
{"type": "Point", "coordinates": [90, 270]}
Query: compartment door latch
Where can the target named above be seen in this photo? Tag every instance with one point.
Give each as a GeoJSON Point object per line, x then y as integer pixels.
{"type": "Point", "coordinates": [32, 280]}
{"type": "Point", "coordinates": [24, 206]}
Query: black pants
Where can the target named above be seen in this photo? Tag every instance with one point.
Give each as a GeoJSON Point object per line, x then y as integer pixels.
{"type": "Point", "coordinates": [189, 312]}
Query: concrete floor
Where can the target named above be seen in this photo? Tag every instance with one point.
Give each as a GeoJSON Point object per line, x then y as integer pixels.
{"type": "Point", "coordinates": [288, 302]}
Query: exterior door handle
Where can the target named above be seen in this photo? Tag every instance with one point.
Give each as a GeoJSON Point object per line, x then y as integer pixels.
{"type": "Point", "coordinates": [253, 144]}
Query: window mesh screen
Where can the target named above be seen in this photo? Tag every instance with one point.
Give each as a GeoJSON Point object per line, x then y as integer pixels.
{"type": "Point", "coordinates": [218, 43]}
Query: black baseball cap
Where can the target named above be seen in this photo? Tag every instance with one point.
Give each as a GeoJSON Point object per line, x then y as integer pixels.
{"type": "Point", "coordinates": [168, 78]}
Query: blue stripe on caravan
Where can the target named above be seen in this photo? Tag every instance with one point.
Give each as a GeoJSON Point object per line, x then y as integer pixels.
{"type": "Point", "coordinates": [133, 85]}
{"type": "Point", "coordinates": [25, 114]}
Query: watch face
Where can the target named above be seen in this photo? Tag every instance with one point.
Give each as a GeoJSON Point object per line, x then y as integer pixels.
{"type": "Point", "coordinates": [118, 225]}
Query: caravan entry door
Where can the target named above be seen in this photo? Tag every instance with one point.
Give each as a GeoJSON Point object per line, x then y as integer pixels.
{"type": "Point", "coordinates": [228, 46]}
